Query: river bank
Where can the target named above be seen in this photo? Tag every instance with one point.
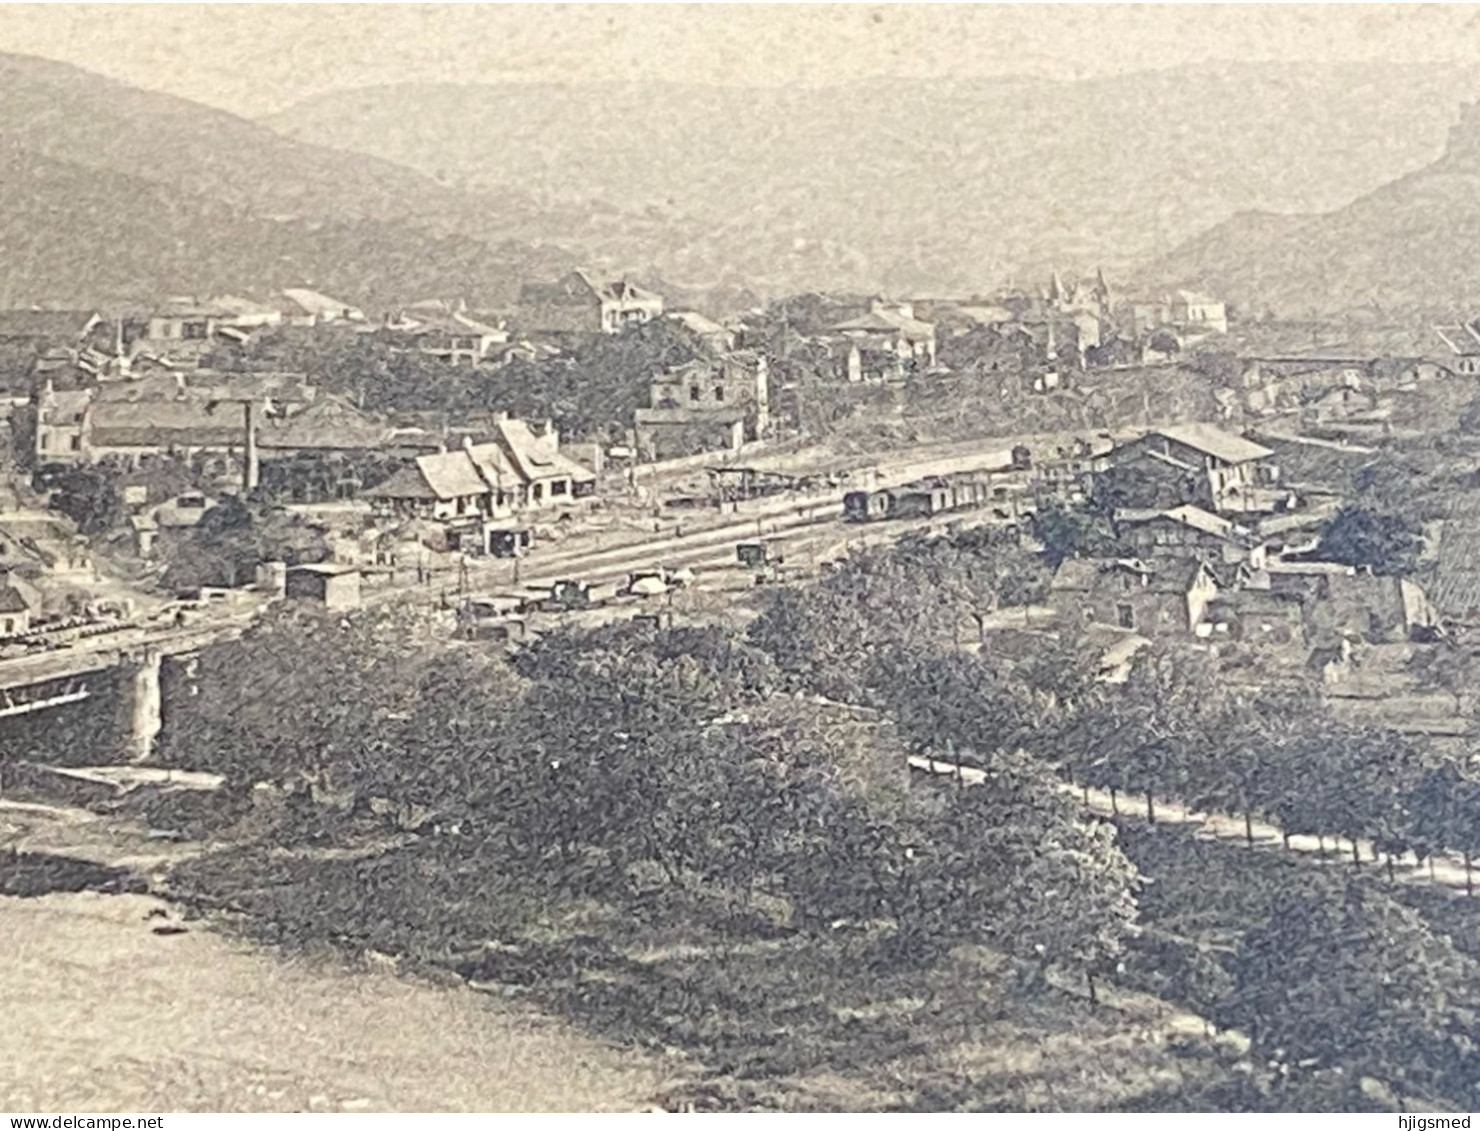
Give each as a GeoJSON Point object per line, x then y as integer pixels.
{"type": "Point", "coordinates": [104, 1014]}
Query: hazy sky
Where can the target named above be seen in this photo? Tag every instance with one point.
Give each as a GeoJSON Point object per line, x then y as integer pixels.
{"type": "Point", "coordinates": [253, 59]}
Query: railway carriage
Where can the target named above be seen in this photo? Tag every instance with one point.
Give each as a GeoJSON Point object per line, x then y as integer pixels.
{"type": "Point", "coordinates": [866, 506]}
{"type": "Point", "coordinates": [926, 498]}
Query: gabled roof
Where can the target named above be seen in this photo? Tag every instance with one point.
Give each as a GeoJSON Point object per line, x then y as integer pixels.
{"type": "Point", "coordinates": [1195, 298]}
{"type": "Point", "coordinates": [330, 424]}
{"type": "Point", "coordinates": [696, 323]}
{"type": "Point", "coordinates": [163, 424]}
{"type": "Point", "coordinates": [325, 569]}
{"type": "Point", "coordinates": [1251, 600]}
{"type": "Point", "coordinates": [408, 483]}
{"type": "Point", "coordinates": [731, 415]}
{"type": "Point", "coordinates": [887, 322]}
{"type": "Point", "coordinates": [13, 547]}
{"type": "Point", "coordinates": [1178, 575]}
{"type": "Point", "coordinates": [1309, 569]}
{"type": "Point", "coordinates": [1195, 517]}
{"type": "Point", "coordinates": [619, 290]}
{"type": "Point", "coordinates": [304, 301]}
{"type": "Point", "coordinates": [1455, 590]}
{"type": "Point", "coordinates": [239, 307]}
{"type": "Point", "coordinates": [1227, 446]}
{"type": "Point", "coordinates": [454, 325]}
{"type": "Point", "coordinates": [494, 466]}
{"type": "Point", "coordinates": [63, 404]}
{"type": "Point", "coordinates": [1084, 574]}
{"type": "Point", "coordinates": [21, 589]}
{"type": "Point", "coordinates": [535, 457]}
{"type": "Point", "coordinates": [188, 308]}
{"type": "Point", "coordinates": [151, 387]}
{"type": "Point", "coordinates": [452, 475]}
{"type": "Point", "coordinates": [581, 285]}
{"type": "Point", "coordinates": [1076, 574]}
{"type": "Point", "coordinates": [12, 600]}
{"type": "Point", "coordinates": [478, 469]}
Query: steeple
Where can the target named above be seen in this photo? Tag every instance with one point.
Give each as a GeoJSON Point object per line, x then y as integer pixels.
{"type": "Point", "coordinates": [1102, 288]}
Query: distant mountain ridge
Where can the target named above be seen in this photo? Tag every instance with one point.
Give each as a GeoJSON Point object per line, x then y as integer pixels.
{"type": "Point", "coordinates": [72, 236]}
{"type": "Point", "coordinates": [118, 195]}
{"type": "Point", "coordinates": [1407, 249]}
{"type": "Point", "coordinates": [916, 187]}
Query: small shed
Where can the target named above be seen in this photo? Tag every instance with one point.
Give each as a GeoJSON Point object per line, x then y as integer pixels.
{"type": "Point", "coordinates": [19, 602]}
{"type": "Point", "coordinates": [334, 585]}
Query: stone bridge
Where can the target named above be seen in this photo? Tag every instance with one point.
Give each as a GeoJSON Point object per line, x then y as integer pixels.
{"type": "Point", "coordinates": [112, 688]}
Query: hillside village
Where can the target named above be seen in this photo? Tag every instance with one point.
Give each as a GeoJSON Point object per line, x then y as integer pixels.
{"type": "Point", "coordinates": [1231, 514]}
{"type": "Point", "coordinates": [779, 677]}
{"type": "Point", "coordinates": [168, 412]}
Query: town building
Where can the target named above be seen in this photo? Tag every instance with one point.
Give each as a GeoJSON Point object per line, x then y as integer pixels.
{"type": "Point", "coordinates": [179, 320]}
{"type": "Point", "coordinates": [1167, 598]}
{"type": "Point", "coordinates": [183, 415]}
{"type": "Point", "coordinates": [299, 306]}
{"type": "Point", "coordinates": [518, 469]}
{"type": "Point", "coordinates": [580, 304]}
{"type": "Point", "coordinates": [1080, 296]}
{"type": "Point", "coordinates": [1194, 464]}
{"type": "Point", "coordinates": [1258, 618]}
{"type": "Point", "coordinates": [60, 418]}
{"type": "Point", "coordinates": [713, 337]}
{"type": "Point", "coordinates": [1198, 313]}
{"type": "Point", "coordinates": [1341, 602]}
{"type": "Point", "coordinates": [333, 585]}
{"type": "Point", "coordinates": [328, 426]}
{"type": "Point", "coordinates": [20, 603]}
{"type": "Point", "coordinates": [246, 314]}
{"type": "Point", "coordinates": [710, 404]}
{"type": "Point", "coordinates": [448, 335]}
{"type": "Point", "coordinates": [1191, 532]}
{"type": "Point", "coordinates": [170, 519]}
{"type": "Point", "coordinates": [1462, 346]}
{"type": "Point", "coordinates": [1192, 314]}
{"type": "Point", "coordinates": [889, 328]}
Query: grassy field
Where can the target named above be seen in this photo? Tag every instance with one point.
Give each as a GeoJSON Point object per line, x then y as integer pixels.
{"type": "Point", "coordinates": [764, 1019]}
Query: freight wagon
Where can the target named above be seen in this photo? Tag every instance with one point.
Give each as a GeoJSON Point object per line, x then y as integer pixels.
{"type": "Point", "coordinates": [926, 498]}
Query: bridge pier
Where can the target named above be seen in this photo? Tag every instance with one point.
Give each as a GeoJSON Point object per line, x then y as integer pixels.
{"type": "Point", "coordinates": [142, 705]}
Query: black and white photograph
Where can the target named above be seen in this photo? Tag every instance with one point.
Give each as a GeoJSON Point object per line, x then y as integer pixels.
{"type": "Point", "coordinates": [747, 558]}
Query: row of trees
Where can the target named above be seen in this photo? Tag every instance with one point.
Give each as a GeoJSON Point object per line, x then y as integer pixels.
{"type": "Point", "coordinates": [889, 628]}
{"type": "Point", "coordinates": [630, 760]}
{"type": "Point", "coordinates": [1333, 979]}
{"type": "Point", "coordinates": [632, 764]}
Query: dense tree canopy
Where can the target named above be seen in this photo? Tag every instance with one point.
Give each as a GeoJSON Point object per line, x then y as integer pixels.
{"type": "Point", "coordinates": [589, 390]}
{"type": "Point", "coordinates": [233, 538]}
{"type": "Point", "coordinates": [1342, 975]}
{"type": "Point", "coordinates": [1385, 543]}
